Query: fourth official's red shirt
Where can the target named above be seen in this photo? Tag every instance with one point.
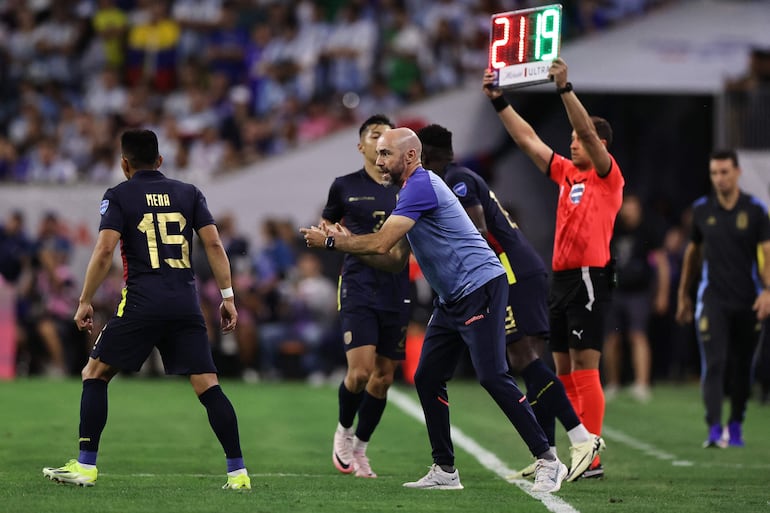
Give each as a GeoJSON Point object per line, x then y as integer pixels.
{"type": "Point", "coordinates": [585, 214]}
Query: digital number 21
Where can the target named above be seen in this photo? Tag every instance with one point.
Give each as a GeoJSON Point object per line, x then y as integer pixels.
{"type": "Point", "coordinates": [160, 221]}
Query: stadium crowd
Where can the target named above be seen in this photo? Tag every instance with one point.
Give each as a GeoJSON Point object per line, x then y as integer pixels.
{"type": "Point", "coordinates": [224, 83]}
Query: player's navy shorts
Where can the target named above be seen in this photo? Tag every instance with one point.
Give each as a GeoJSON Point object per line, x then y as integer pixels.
{"type": "Point", "coordinates": [578, 303]}
{"type": "Point", "coordinates": [367, 326]}
{"type": "Point", "coordinates": [183, 344]}
{"type": "Point", "coordinates": [527, 310]}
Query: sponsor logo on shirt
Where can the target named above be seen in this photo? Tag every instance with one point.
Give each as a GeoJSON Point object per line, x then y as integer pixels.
{"type": "Point", "coordinates": [104, 206]}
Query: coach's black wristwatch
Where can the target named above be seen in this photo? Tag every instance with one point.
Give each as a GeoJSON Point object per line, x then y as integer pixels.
{"type": "Point", "coordinates": [567, 88]}
{"type": "Point", "coordinates": [329, 243]}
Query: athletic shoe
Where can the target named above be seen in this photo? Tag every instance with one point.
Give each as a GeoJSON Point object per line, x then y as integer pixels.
{"type": "Point", "coordinates": [549, 475]}
{"type": "Point", "coordinates": [527, 472]}
{"type": "Point", "coordinates": [437, 479]}
{"type": "Point", "coordinates": [342, 454]}
{"type": "Point", "coordinates": [361, 465]}
{"type": "Point", "coordinates": [715, 438]}
{"type": "Point", "coordinates": [596, 472]}
{"type": "Point", "coordinates": [582, 454]}
{"type": "Point", "coordinates": [73, 473]}
{"type": "Point", "coordinates": [734, 434]}
{"type": "Point", "coordinates": [239, 482]}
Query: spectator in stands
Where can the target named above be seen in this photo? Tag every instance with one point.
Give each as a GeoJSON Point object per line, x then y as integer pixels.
{"type": "Point", "coordinates": [50, 293]}
{"type": "Point", "coordinates": [110, 25]}
{"type": "Point", "coordinates": [48, 165]}
{"type": "Point", "coordinates": [10, 164]}
{"type": "Point", "coordinates": [152, 50]}
{"type": "Point", "coordinates": [314, 303]}
{"type": "Point", "coordinates": [55, 41]}
{"type": "Point", "coordinates": [15, 248]}
{"type": "Point", "coordinates": [22, 46]}
{"type": "Point", "coordinates": [197, 19]}
{"type": "Point", "coordinates": [349, 53]}
{"type": "Point", "coordinates": [105, 95]}
{"type": "Point", "coordinates": [224, 51]}
{"type": "Point", "coordinates": [404, 54]}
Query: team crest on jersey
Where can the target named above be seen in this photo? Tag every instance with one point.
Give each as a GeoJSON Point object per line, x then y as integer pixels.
{"type": "Point", "coordinates": [576, 192]}
{"type": "Point", "coordinates": [742, 220]}
{"type": "Point", "coordinates": [104, 206]}
{"type": "Point", "coordinates": [460, 189]}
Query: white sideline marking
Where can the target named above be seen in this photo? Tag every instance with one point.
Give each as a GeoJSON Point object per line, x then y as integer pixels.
{"type": "Point", "coordinates": [624, 438]}
{"type": "Point", "coordinates": [487, 459]}
{"type": "Point", "coordinates": [619, 436]}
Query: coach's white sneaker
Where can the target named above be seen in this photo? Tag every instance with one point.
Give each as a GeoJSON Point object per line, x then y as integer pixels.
{"type": "Point", "coordinates": [437, 479]}
{"type": "Point", "coordinates": [549, 475]}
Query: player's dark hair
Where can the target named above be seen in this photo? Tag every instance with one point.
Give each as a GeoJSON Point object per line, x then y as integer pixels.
{"type": "Point", "coordinates": [377, 119]}
{"type": "Point", "coordinates": [436, 137]}
{"type": "Point", "coordinates": [603, 129]}
{"type": "Point", "coordinates": [724, 154]}
{"type": "Point", "coordinates": [140, 148]}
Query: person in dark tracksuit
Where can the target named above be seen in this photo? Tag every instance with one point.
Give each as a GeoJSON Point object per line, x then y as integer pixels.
{"type": "Point", "coordinates": [733, 296]}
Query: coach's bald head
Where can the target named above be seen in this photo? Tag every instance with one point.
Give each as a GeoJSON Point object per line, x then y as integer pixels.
{"type": "Point", "coordinates": [398, 154]}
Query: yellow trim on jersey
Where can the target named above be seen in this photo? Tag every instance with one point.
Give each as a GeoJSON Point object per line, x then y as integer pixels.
{"type": "Point", "coordinates": [122, 304]}
{"type": "Point", "coordinates": [507, 266]}
{"type": "Point", "coordinates": [339, 289]}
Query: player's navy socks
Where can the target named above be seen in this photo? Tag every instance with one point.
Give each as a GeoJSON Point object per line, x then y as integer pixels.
{"type": "Point", "coordinates": [537, 383]}
{"type": "Point", "coordinates": [550, 394]}
{"type": "Point", "coordinates": [234, 464]}
{"type": "Point", "coordinates": [349, 403]}
{"type": "Point", "coordinates": [93, 418]}
{"type": "Point", "coordinates": [369, 415]}
{"type": "Point", "coordinates": [223, 421]}
{"type": "Point", "coordinates": [87, 457]}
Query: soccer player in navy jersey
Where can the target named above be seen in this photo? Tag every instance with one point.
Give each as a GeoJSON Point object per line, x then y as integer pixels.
{"type": "Point", "coordinates": [373, 304]}
{"type": "Point", "coordinates": [469, 311]}
{"type": "Point", "coordinates": [153, 218]}
{"type": "Point", "coordinates": [728, 228]}
{"type": "Point", "coordinates": [590, 194]}
{"type": "Point", "coordinates": [526, 320]}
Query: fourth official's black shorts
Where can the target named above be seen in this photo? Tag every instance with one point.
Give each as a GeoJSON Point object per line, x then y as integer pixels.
{"type": "Point", "coordinates": [578, 303]}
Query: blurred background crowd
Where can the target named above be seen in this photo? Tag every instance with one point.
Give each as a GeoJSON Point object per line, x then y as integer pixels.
{"type": "Point", "coordinates": [225, 83]}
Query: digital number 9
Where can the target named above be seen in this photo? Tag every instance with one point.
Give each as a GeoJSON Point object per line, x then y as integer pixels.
{"type": "Point", "coordinates": [547, 35]}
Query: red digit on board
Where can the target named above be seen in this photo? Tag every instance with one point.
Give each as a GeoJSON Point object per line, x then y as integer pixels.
{"type": "Point", "coordinates": [500, 42]}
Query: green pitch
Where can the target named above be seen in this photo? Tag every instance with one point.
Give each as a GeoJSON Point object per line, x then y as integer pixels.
{"type": "Point", "coordinates": [159, 455]}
